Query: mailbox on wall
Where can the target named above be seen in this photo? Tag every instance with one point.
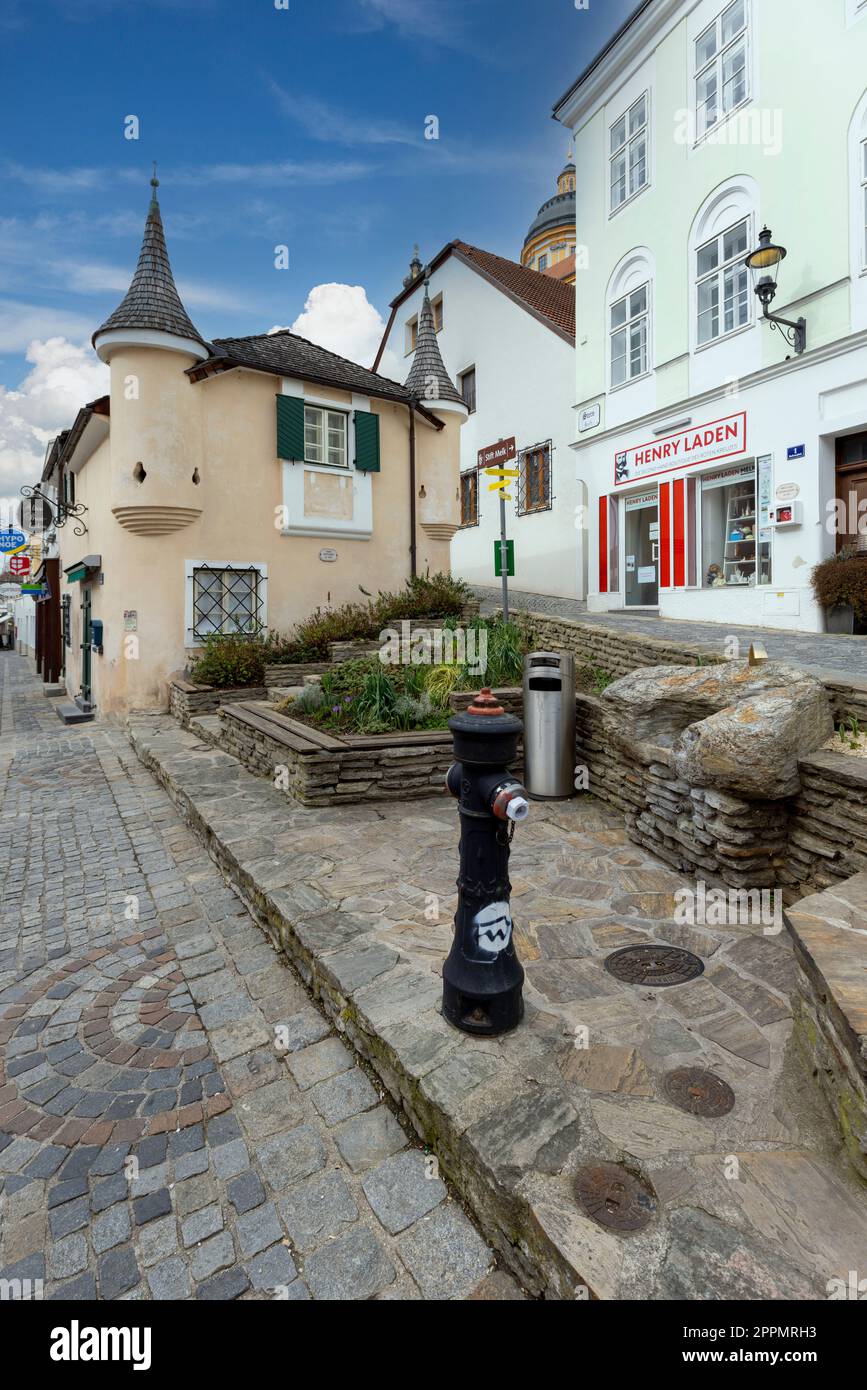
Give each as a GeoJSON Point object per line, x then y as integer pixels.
{"type": "Point", "coordinates": [96, 635]}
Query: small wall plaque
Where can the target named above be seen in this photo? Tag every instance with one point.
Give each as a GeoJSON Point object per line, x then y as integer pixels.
{"type": "Point", "coordinates": [329, 556]}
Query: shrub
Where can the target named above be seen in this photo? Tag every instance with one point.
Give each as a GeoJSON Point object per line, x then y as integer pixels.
{"type": "Point", "coordinates": [311, 698]}
{"type": "Point", "coordinates": [842, 578]}
{"type": "Point", "coordinates": [231, 660]}
{"type": "Point", "coordinates": [434, 596]}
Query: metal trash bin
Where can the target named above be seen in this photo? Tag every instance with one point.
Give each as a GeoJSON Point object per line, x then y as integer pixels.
{"type": "Point", "coordinates": [549, 724]}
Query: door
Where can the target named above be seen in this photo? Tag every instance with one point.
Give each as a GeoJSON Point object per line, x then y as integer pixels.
{"type": "Point", "coordinates": [86, 638]}
{"type": "Point", "coordinates": [852, 490]}
{"type": "Point", "coordinates": [642, 553]}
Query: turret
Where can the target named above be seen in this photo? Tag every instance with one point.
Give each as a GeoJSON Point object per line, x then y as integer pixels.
{"type": "Point", "coordinates": [430, 383]}
{"type": "Point", "coordinates": [156, 441]}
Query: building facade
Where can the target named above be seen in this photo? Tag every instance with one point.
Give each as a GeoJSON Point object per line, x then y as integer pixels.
{"type": "Point", "coordinates": [506, 335]}
{"type": "Point", "coordinates": [714, 452]}
{"type": "Point", "coordinates": [234, 486]}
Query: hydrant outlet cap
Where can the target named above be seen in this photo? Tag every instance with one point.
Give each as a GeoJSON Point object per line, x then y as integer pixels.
{"type": "Point", "coordinates": [485, 703]}
{"type": "Point", "coordinates": [518, 808]}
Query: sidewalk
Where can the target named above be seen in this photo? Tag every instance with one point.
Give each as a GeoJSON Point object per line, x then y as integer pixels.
{"type": "Point", "coordinates": [177, 1119]}
{"type": "Point", "coordinates": [822, 654]}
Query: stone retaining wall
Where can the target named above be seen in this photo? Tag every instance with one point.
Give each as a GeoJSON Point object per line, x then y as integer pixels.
{"type": "Point", "coordinates": [616, 652]}
{"type": "Point", "coordinates": [828, 830]}
{"type": "Point", "coordinates": [187, 699]}
{"type": "Point", "coordinates": [829, 932]}
{"type": "Point", "coordinates": [389, 771]}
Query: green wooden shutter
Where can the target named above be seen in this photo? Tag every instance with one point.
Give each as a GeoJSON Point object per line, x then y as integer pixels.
{"type": "Point", "coordinates": [366, 441]}
{"type": "Point", "coordinates": [290, 427]}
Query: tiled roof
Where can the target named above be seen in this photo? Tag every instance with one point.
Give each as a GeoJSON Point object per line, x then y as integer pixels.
{"type": "Point", "coordinates": [152, 301]}
{"type": "Point", "coordinates": [285, 354]}
{"type": "Point", "coordinates": [428, 378]}
{"type": "Point", "coordinates": [544, 296]}
{"type": "Point", "coordinates": [560, 269]}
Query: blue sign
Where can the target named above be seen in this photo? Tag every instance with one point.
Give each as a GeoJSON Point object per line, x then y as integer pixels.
{"type": "Point", "coordinates": [797, 451]}
{"type": "Point", "coordinates": [12, 540]}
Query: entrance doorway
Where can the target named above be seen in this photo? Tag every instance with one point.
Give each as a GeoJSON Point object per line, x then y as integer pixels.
{"type": "Point", "coordinates": [852, 490]}
{"type": "Point", "coordinates": [86, 639]}
{"type": "Point", "coordinates": [642, 551]}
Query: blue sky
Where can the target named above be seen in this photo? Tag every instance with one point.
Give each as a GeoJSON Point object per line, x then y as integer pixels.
{"type": "Point", "coordinates": [301, 126]}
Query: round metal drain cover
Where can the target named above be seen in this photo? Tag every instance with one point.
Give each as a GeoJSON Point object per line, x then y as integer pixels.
{"type": "Point", "coordinates": [614, 1197]}
{"type": "Point", "coordinates": [698, 1092]}
{"type": "Point", "coordinates": [654, 965]}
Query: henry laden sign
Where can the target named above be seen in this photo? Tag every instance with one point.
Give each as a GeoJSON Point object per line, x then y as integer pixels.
{"type": "Point", "coordinates": [699, 444]}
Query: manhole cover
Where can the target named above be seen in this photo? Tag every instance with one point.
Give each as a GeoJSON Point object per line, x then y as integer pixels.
{"type": "Point", "coordinates": [698, 1092]}
{"type": "Point", "coordinates": [614, 1197]}
{"type": "Point", "coordinates": [654, 965]}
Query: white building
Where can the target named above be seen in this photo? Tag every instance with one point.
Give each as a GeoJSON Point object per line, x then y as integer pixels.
{"type": "Point", "coordinates": [713, 450]}
{"type": "Point", "coordinates": [506, 336]}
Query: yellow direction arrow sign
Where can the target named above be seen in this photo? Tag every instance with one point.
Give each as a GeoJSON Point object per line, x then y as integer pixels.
{"type": "Point", "coordinates": [502, 472]}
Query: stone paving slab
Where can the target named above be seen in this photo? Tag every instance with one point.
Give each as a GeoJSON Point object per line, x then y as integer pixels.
{"type": "Point", "coordinates": [177, 1118]}
{"type": "Point", "coordinates": [364, 912]}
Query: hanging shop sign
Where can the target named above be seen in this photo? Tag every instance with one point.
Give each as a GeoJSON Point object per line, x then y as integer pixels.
{"type": "Point", "coordinates": [11, 540]}
{"type": "Point", "coordinates": [19, 564]}
{"type": "Point", "coordinates": [720, 439]}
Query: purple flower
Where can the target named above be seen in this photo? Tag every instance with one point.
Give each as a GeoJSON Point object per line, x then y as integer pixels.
{"type": "Point", "coordinates": [335, 709]}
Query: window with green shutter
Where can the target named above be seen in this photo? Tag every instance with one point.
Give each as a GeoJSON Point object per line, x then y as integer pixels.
{"type": "Point", "coordinates": [290, 427]}
{"type": "Point", "coordinates": [366, 441]}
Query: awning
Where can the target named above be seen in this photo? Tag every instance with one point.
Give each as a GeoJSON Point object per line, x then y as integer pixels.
{"type": "Point", "coordinates": [81, 568]}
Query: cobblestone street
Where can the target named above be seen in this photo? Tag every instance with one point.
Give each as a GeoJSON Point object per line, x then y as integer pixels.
{"type": "Point", "coordinates": [177, 1119]}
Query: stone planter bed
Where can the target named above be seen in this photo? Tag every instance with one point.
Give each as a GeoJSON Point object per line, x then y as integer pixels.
{"type": "Point", "coordinates": [321, 769]}
{"type": "Point", "coordinates": [187, 699]}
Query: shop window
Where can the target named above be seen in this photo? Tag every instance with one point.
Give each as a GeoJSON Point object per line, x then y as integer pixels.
{"type": "Point", "coordinates": [467, 381]}
{"type": "Point", "coordinates": [628, 332]}
{"type": "Point", "coordinates": [723, 284]}
{"type": "Point", "coordinates": [736, 550]}
{"type": "Point", "coordinates": [721, 67]}
{"type": "Point", "coordinates": [534, 480]}
{"type": "Point", "coordinates": [627, 154]}
{"type": "Point", "coordinates": [470, 498]}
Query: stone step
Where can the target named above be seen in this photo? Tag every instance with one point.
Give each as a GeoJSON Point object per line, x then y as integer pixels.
{"type": "Point", "coordinates": [71, 714]}
{"type": "Point", "coordinates": [208, 727]}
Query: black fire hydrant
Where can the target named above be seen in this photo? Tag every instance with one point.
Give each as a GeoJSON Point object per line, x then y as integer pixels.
{"type": "Point", "coordinates": [482, 976]}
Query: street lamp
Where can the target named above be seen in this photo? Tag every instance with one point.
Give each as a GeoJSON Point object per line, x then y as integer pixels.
{"type": "Point", "coordinates": [764, 267]}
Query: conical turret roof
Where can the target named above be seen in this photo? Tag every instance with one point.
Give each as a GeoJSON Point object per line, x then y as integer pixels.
{"type": "Point", "coordinates": [152, 300]}
{"type": "Point", "coordinates": [428, 379]}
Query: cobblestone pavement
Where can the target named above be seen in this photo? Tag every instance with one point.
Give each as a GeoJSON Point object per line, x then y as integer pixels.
{"type": "Point", "coordinates": [177, 1119]}
{"type": "Point", "coordinates": [814, 651]}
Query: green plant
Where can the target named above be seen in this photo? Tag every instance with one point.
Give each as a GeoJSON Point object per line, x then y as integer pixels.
{"type": "Point", "coordinates": [310, 699]}
{"type": "Point", "coordinates": [850, 732]}
{"type": "Point", "coordinates": [440, 681]}
{"type": "Point", "coordinates": [230, 660]}
{"type": "Point", "coordinates": [842, 579]}
{"type": "Point", "coordinates": [602, 678]}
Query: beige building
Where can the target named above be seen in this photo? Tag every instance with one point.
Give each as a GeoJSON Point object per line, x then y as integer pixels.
{"type": "Point", "coordinates": [237, 484]}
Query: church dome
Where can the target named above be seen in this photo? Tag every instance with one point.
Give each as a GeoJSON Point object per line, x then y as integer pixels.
{"type": "Point", "coordinates": [550, 240]}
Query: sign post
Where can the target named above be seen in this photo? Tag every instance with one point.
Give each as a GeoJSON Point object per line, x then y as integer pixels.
{"type": "Point", "coordinates": [492, 458]}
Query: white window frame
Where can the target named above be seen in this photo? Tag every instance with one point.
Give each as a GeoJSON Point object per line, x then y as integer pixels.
{"type": "Point", "coordinates": [716, 63]}
{"type": "Point", "coordinates": [855, 10]}
{"type": "Point", "coordinates": [863, 200]}
{"type": "Point", "coordinates": [625, 327]}
{"type": "Point", "coordinates": [190, 567]}
{"type": "Point", "coordinates": [718, 273]}
{"type": "Point", "coordinates": [642, 133]}
{"type": "Point", "coordinates": [411, 335]}
{"type": "Point", "coordinates": [323, 411]}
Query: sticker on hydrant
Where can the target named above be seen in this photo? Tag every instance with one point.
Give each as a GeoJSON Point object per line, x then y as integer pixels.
{"type": "Point", "coordinates": [493, 930]}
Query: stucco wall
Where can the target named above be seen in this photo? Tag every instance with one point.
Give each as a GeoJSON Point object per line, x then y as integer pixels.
{"type": "Point", "coordinates": [226, 429]}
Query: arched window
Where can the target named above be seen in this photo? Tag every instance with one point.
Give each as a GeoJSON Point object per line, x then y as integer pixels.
{"type": "Point", "coordinates": [722, 234]}
{"type": "Point", "coordinates": [629, 314]}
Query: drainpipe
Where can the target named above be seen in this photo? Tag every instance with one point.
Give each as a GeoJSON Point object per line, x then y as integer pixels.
{"type": "Point", "coordinates": [412, 546]}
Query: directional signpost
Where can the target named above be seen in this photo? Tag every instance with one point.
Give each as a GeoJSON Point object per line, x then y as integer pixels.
{"type": "Point", "coordinates": [491, 459]}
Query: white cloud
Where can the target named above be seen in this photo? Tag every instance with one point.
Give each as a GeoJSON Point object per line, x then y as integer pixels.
{"type": "Point", "coordinates": [342, 319]}
{"type": "Point", "coordinates": [21, 323]}
{"type": "Point", "coordinates": [322, 121]}
{"type": "Point", "coordinates": [63, 377]}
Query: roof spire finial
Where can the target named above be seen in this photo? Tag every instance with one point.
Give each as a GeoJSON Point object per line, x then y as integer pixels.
{"type": "Point", "coordinates": [155, 183]}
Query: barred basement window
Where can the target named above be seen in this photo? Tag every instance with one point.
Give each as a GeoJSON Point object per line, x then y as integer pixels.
{"type": "Point", "coordinates": [534, 480]}
{"type": "Point", "coordinates": [228, 601]}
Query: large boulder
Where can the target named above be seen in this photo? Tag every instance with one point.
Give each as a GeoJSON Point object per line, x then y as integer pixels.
{"type": "Point", "coordinates": [736, 728]}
